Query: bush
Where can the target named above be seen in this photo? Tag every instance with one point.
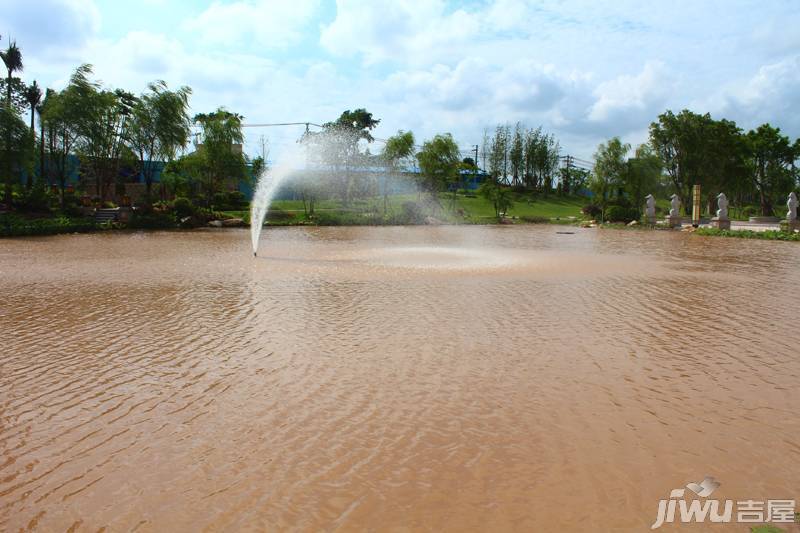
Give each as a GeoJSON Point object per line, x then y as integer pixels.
{"type": "Point", "coordinates": [616, 213]}
{"type": "Point", "coordinates": [412, 213]}
{"type": "Point", "coordinates": [750, 211]}
{"type": "Point", "coordinates": [237, 200]}
{"type": "Point", "coordinates": [620, 201]}
{"type": "Point", "coordinates": [11, 225]}
{"type": "Point", "coordinates": [154, 220]}
{"type": "Point", "coordinates": [220, 201]}
{"type": "Point", "coordinates": [109, 205]}
{"type": "Point", "coordinates": [592, 211]}
{"type": "Point", "coordinates": [35, 200]}
{"type": "Point", "coordinates": [183, 207]}
{"type": "Point", "coordinates": [533, 219]}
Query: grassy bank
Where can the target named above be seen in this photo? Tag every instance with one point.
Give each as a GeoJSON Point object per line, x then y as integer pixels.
{"type": "Point", "coordinates": [747, 234]}
{"type": "Point", "coordinates": [398, 210]}
{"type": "Point", "coordinates": [413, 209]}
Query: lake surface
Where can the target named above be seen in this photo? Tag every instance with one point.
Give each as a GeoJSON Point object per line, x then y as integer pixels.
{"type": "Point", "coordinates": [431, 378]}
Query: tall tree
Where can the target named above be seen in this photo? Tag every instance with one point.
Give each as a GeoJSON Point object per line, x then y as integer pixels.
{"type": "Point", "coordinates": [610, 166]}
{"type": "Point", "coordinates": [12, 58]}
{"type": "Point", "coordinates": [33, 96]}
{"type": "Point", "coordinates": [439, 163]}
{"type": "Point", "coordinates": [696, 149]}
{"type": "Point", "coordinates": [16, 149]}
{"type": "Point", "coordinates": [159, 127]}
{"type": "Point", "coordinates": [642, 174]}
{"type": "Point", "coordinates": [516, 155]}
{"type": "Point", "coordinates": [770, 157]}
{"type": "Point", "coordinates": [398, 148]}
{"type": "Point", "coordinates": [222, 133]}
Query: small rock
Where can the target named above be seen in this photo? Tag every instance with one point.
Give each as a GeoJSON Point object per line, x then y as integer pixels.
{"type": "Point", "coordinates": [633, 223]}
{"type": "Point", "coordinates": [233, 222]}
{"type": "Point", "coordinates": [215, 223]}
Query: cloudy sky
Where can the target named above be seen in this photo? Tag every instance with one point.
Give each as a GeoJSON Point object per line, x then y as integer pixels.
{"type": "Point", "coordinates": [584, 70]}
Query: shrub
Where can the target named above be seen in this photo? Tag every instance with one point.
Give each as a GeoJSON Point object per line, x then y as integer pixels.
{"type": "Point", "coordinates": [11, 225]}
{"type": "Point", "coordinates": [592, 210]}
{"type": "Point", "coordinates": [34, 200]}
{"type": "Point", "coordinates": [183, 207]}
{"type": "Point", "coordinates": [109, 205]}
{"type": "Point", "coordinates": [412, 213]}
{"type": "Point", "coordinates": [154, 220]}
{"type": "Point", "coordinates": [220, 201]}
{"type": "Point", "coordinates": [750, 211]}
{"type": "Point", "coordinates": [237, 200]}
{"type": "Point", "coordinates": [616, 213]}
{"type": "Point", "coordinates": [620, 201]}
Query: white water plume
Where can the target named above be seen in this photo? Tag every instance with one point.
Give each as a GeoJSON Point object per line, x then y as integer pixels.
{"type": "Point", "coordinates": [268, 183]}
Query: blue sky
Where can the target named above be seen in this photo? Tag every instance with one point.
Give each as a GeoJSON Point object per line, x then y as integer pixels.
{"type": "Point", "coordinates": [584, 70]}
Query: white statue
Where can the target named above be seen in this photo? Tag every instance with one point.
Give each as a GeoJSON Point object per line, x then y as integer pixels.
{"type": "Point", "coordinates": [791, 216]}
{"type": "Point", "coordinates": [675, 206]}
{"type": "Point", "coordinates": [722, 204]}
{"type": "Point", "coordinates": [650, 208]}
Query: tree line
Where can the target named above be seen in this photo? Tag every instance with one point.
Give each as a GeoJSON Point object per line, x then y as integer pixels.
{"type": "Point", "coordinates": [757, 167]}
{"type": "Point", "coordinates": [108, 136]}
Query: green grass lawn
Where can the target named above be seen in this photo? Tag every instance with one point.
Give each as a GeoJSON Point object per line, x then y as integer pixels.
{"type": "Point", "coordinates": [468, 209]}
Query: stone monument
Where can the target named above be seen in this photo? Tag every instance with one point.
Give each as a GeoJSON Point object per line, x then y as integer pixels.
{"type": "Point", "coordinates": [792, 223]}
{"type": "Point", "coordinates": [721, 221]}
{"type": "Point", "coordinates": [650, 209]}
{"type": "Point", "coordinates": [674, 218]}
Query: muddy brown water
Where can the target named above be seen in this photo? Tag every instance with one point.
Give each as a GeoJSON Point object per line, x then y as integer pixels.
{"type": "Point", "coordinates": [400, 379]}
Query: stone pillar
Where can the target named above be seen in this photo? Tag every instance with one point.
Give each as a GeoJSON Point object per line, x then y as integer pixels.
{"type": "Point", "coordinates": [721, 221]}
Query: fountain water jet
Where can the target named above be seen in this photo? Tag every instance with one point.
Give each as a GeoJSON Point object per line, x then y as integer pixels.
{"type": "Point", "coordinates": [268, 183]}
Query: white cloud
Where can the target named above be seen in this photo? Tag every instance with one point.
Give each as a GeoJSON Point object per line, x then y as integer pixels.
{"type": "Point", "coordinates": [54, 28]}
{"type": "Point", "coordinates": [628, 100]}
{"type": "Point", "coordinates": [269, 23]}
{"type": "Point", "coordinates": [772, 94]}
{"type": "Point", "coordinates": [413, 31]}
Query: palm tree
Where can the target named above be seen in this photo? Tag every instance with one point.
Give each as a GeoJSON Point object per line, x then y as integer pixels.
{"type": "Point", "coordinates": [33, 96]}
{"type": "Point", "coordinates": [12, 57]}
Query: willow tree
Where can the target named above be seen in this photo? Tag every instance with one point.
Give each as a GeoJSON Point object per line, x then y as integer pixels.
{"type": "Point", "coordinates": [439, 163]}
{"type": "Point", "coordinates": [399, 148]}
{"type": "Point", "coordinates": [222, 131]}
{"type": "Point", "coordinates": [159, 127]}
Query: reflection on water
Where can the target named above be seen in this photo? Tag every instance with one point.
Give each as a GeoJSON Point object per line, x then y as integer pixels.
{"type": "Point", "coordinates": [471, 378]}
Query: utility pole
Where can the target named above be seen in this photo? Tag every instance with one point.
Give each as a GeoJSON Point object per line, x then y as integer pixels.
{"type": "Point", "coordinates": [475, 172]}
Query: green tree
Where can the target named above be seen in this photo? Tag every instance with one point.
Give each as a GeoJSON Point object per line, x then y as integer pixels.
{"type": "Point", "coordinates": [641, 177]}
{"type": "Point", "coordinates": [12, 59]}
{"type": "Point", "coordinates": [61, 112]}
{"type": "Point", "coordinates": [398, 148]}
{"type": "Point", "coordinates": [221, 149]}
{"type": "Point", "coordinates": [33, 97]}
{"type": "Point", "coordinates": [770, 162]}
{"type": "Point", "coordinates": [498, 195]}
{"type": "Point", "coordinates": [439, 163]}
{"type": "Point", "coordinates": [516, 155]}
{"type": "Point", "coordinates": [696, 149]}
{"type": "Point", "coordinates": [16, 149]}
{"type": "Point", "coordinates": [159, 127]}
{"type": "Point", "coordinates": [610, 167]}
